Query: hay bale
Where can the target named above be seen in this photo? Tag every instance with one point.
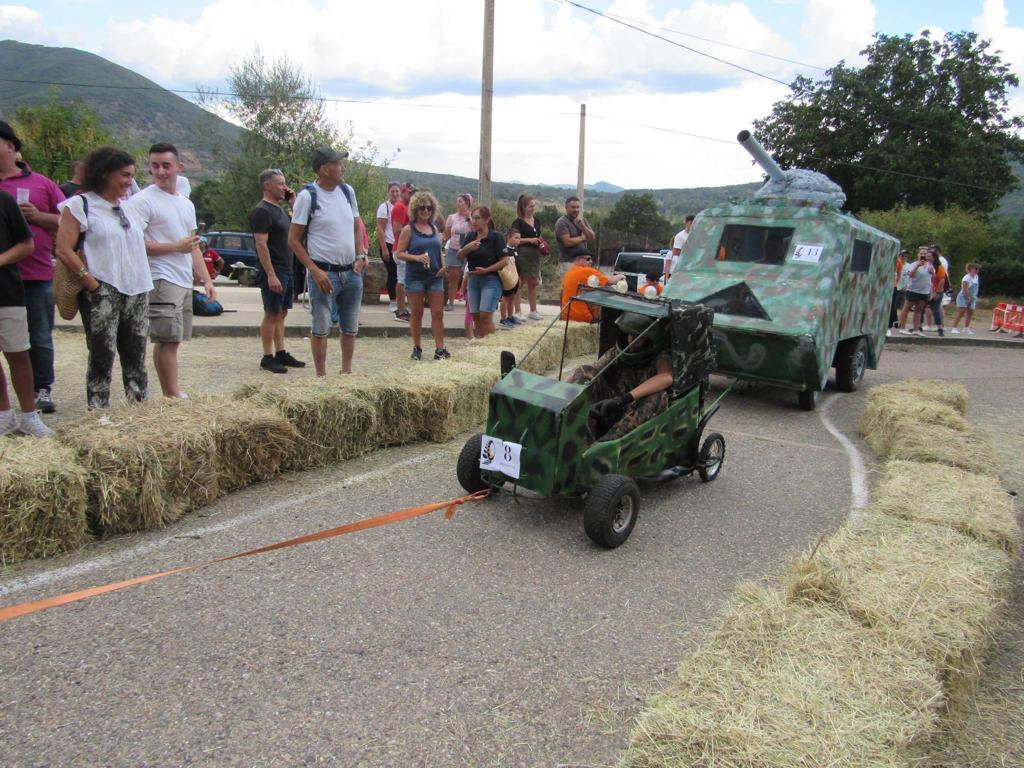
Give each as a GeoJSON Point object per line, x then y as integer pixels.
{"type": "Point", "coordinates": [251, 442]}
{"type": "Point", "coordinates": [947, 393]}
{"type": "Point", "coordinates": [942, 445]}
{"type": "Point", "coordinates": [972, 504]}
{"type": "Point", "coordinates": [927, 588]}
{"type": "Point", "coordinates": [889, 412]}
{"type": "Point", "coordinates": [42, 499]}
{"type": "Point", "coordinates": [789, 686]}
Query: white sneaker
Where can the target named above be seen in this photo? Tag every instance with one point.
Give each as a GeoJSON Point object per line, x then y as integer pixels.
{"type": "Point", "coordinates": [30, 424]}
{"type": "Point", "coordinates": [8, 422]}
{"type": "Point", "coordinates": [905, 332]}
{"type": "Point", "coordinates": [888, 331]}
{"type": "Point", "coordinates": [519, 318]}
{"type": "Point", "coordinates": [954, 330]}
{"type": "Point", "coordinates": [535, 315]}
{"type": "Point", "coordinates": [393, 306]}
{"type": "Point", "coordinates": [969, 330]}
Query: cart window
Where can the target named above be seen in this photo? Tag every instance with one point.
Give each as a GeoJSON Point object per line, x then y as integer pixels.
{"type": "Point", "coordinates": [754, 245]}
{"type": "Point", "coordinates": [861, 261]}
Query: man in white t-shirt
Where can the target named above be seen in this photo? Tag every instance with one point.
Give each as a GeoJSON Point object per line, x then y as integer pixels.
{"type": "Point", "coordinates": [326, 236]}
{"type": "Point", "coordinates": [175, 262]}
{"type": "Point", "coordinates": [386, 240]}
{"type": "Point", "coordinates": [677, 246]}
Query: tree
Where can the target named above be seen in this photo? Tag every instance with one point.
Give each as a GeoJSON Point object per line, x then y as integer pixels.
{"type": "Point", "coordinates": [638, 214]}
{"type": "Point", "coordinates": [963, 235]}
{"type": "Point", "coordinates": [920, 107]}
{"type": "Point", "coordinates": [55, 134]}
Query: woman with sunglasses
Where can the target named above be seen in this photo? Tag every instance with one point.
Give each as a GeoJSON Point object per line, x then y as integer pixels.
{"type": "Point", "coordinates": [419, 246]}
{"type": "Point", "coordinates": [457, 227]}
{"type": "Point", "coordinates": [115, 277]}
{"type": "Point", "coordinates": [485, 255]}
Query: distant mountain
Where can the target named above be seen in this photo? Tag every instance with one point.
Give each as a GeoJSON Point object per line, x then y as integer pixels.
{"type": "Point", "coordinates": [143, 115]}
{"type": "Point", "coordinates": [604, 186]}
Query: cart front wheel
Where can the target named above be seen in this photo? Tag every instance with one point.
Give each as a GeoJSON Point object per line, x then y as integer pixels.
{"type": "Point", "coordinates": [468, 467]}
{"type": "Point", "coordinates": [610, 511]}
{"type": "Point", "coordinates": [808, 399]}
{"type": "Point", "coordinates": [851, 363]}
{"type": "Point", "coordinates": [712, 456]}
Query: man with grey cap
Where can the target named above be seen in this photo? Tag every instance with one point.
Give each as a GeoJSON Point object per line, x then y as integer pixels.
{"type": "Point", "coordinates": [325, 236]}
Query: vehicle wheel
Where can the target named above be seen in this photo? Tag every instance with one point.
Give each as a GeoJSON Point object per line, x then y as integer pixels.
{"type": "Point", "coordinates": [610, 510]}
{"type": "Point", "coordinates": [809, 399]}
{"type": "Point", "coordinates": [851, 362]}
{"type": "Point", "coordinates": [711, 458]}
{"type": "Point", "coordinates": [468, 468]}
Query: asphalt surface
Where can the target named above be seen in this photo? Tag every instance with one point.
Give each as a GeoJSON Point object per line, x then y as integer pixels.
{"type": "Point", "coordinates": [500, 637]}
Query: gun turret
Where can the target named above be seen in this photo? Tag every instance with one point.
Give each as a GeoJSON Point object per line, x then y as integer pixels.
{"type": "Point", "coordinates": [762, 158]}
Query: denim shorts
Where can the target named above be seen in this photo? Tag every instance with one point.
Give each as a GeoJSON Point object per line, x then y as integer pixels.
{"type": "Point", "coordinates": [484, 293]}
{"type": "Point", "coordinates": [347, 296]}
{"type": "Point", "coordinates": [276, 303]}
{"type": "Point", "coordinates": [451, 258]}
{"type": "Point", "coordinates": [423, 283]}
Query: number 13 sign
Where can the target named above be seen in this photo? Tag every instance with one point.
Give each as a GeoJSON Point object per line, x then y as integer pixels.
{"type": "Point", "coordinates": [500, 456]}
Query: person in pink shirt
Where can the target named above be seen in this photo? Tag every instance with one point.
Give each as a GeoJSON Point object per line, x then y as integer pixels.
{"type": "Point", "coordinates": [37, 197]}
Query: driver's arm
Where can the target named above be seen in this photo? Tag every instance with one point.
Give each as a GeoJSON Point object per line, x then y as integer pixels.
{"type": "Point", "coordinates": [659, 382]}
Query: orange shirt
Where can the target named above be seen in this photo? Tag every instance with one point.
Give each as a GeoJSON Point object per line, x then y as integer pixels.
{"type": "Point", "coordinates": [658, 286]}
{"type": "Point", "coordinates": [575, 277]}
{"type": "Point", "coordinates": [899, 269]}
{"type": "Point", "coordinates": [939, 279]}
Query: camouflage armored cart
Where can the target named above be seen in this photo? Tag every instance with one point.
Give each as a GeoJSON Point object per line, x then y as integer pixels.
{"type": "Point", "coordinates": [797, 285]}
{"type": "Point", "coordinates": [540, 434]}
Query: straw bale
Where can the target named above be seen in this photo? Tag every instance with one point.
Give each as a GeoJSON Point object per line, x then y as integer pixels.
{"type": "Point", "coordinates": [42, 499]}
{"type": "Point", "coordinates": [889, 412]}
{"type": "Point", "coordinates": [972, 504]}
{"type": "Point", "coordinates": [942, 445]}
{"type": "Point", "coordinates": [251, 442]}
{"type": "Point", "coordinates": [932, 390]}
{"type": "Point", "coordinates": [466, 385]}
{"type": "Point", "coordinates": [928, 588]}
{"type": "Point", "coordinates": [789, 686]}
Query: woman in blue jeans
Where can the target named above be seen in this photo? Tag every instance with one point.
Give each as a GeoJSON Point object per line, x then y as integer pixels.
{"type": "Point", "coordinates": [419, 246]}
{"type": "Point", "coordinates": [485, 254]}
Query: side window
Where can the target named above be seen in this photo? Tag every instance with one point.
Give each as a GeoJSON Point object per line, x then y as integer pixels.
{"type": "Point", "coordinates": [249, 243]}
{"type": "Point", "coordinates": [861, 261]}
{"type": "Point", "coordinates": [754, 245]}
{"type": "Point", "coordinates": [232, 242]}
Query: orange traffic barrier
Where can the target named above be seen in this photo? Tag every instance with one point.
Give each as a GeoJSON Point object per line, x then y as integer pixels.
{"type": "Point", "coordinates": [22, 609]}
{"type": "Point", "coordinates": [1008, 318]}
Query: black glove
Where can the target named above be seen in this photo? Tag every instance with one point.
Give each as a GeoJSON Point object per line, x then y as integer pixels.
{"type": "Point", "coordinates": [607, 412]}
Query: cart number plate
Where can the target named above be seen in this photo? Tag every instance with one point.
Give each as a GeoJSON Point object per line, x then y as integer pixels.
{"type": "Point", "coordinates": [500, 456]}
{"type": "Point", "coordinates": [809, 254]}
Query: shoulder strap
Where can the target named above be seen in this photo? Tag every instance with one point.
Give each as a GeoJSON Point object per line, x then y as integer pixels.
{"type": "Point", "coordinates": [348, 196]}
{"type": "Point", "coordinates": [85, 210]}
{"type": "Point", "coordinates": [313, 204]}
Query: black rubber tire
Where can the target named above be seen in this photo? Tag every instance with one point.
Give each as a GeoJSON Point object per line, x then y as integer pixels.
{"type": "Point", "coordinates": [468, 468]}
{"type": "Point", "coordinates": [851, 363]}
{"type": "Point", "coordinates": [808, 399]}
{"type": "Point", "coordinates": [611, 510]}
{"type": "Point", "coordinates": [712, 450]}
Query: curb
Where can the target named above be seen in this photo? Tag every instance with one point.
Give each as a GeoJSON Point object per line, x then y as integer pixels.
{"type": "Point", "coordinates": [933, 341]}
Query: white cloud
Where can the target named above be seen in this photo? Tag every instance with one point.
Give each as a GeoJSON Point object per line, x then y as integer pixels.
{"type": "Point", "coordinates": [21, 23]}
{"type": "Point", "coordinates": [838, 29]}
{"type": "Point", "coordinates": [993, 23]}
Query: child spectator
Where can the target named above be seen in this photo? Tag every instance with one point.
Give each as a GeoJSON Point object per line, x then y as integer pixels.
{"type": "Point", "coordinates": [967, 298]}
{"type": "Point", "coordinates": [653, 281]}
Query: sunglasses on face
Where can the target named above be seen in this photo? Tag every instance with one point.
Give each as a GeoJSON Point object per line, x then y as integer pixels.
{"type": "Point", "coordinates": [424, 208]}
{"type": "Point", "coordinates": [122, 217]}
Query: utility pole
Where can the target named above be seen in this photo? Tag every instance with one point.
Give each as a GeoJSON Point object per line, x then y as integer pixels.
{"type": "Point", "coordinates": [583, 145]}
{"type": "Point", "coordinates": [486, 98]}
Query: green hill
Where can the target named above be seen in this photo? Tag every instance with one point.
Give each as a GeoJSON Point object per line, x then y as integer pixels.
{"type": "Point", "coordinates": [141, 117]}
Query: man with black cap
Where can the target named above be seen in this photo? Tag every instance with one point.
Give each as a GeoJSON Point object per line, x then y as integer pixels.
{"type": "Point", "coordinates": [37, 197]}
{"type": "Point", "coordinates": [326, 236]}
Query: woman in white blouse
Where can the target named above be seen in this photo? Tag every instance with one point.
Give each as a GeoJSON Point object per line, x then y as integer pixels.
{"type": "Point", "coordinates": [115, 276]}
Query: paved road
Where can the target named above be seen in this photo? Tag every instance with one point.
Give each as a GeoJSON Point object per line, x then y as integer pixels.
{"type": "Point", "coordinates": [501, 637]}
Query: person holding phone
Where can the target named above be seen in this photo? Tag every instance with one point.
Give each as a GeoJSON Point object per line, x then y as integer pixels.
{"type": "Point", "coordinates": [919, 287]}
{"type": "Point", "coordinates": [484, 253]}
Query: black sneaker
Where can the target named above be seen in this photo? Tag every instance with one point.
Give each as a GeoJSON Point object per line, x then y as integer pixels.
{"type": "Point", "coordinates": [285, 359]}
{"type": "Point", "coordinates": [941, 333]}
{"type": "Point", "coordinates": [442, 354]}
{"type": "Point", "coordinates": [272, 364]}
{"type": "Point", "coordinates": [44, 401]}
{"type": "Point", "coordinates": [417, 353]}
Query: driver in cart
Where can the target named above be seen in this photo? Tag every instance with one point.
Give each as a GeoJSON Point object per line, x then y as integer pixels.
{"type": "Point", "coordinates": [635, 388]}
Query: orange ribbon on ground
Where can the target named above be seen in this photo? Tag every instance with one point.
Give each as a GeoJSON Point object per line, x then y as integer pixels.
{"type": "Point", "coordinates": [21, 609]}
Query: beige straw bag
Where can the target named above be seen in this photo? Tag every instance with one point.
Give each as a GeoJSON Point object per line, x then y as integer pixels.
{"type": "Point", "coordinates": [509, 275]}
{"type": "Point", "coordinates": [66, 284]}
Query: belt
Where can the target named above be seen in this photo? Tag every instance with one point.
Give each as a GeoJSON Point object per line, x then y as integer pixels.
{"type": "Point", "coordinates": [333, 267]}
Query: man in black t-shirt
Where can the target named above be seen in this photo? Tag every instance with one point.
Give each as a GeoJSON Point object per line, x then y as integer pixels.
{"type": "Point", "coordinates": [16, 244]}
{"type": "Point", "coordinates": [270, 230]}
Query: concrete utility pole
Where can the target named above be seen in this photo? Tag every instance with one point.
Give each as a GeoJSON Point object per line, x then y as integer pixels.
{"type": "Point", "coordinates": [583, 146]}
{"type": "Point", "coordinates": [486, 97]}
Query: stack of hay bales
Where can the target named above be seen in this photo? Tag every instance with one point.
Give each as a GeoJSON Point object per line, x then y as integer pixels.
{"type": "Point", "coordinates": [42, 499]}
{"type": "Point", "coordinates": [880, 629]}
{"type": "Point", "coordinates": [149, 464]}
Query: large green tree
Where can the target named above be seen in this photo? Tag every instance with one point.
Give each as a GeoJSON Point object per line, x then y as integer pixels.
{"type": "Point", "coordinates": [919, 107]}
{"type": "Point", "coordinates": [55, 134]}
{"type": "Point", "coordinates": [638, 213]}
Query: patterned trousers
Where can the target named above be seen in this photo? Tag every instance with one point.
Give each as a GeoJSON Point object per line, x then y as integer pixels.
{"type": "Point", "coordinates": [637, 412]}
{"type": "Point", "coordinates": [115, 322]}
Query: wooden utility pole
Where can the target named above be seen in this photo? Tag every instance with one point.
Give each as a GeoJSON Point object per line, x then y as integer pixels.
{"type": "Point", "coordinates": [486, 97]}
{"type": "Point", "coordinates": [583, 145]}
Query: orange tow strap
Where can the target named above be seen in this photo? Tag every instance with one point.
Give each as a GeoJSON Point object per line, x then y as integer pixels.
{"type": "Point", "coordinates": [14, 611]}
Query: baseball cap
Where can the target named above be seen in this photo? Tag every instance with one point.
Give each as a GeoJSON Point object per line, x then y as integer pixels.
{"type": "Point", "coordinates": [408, 187]}
{"type": "Point", "coordinates": [6, 132]}
{"type": "Point", "coordinates": [323, 155]}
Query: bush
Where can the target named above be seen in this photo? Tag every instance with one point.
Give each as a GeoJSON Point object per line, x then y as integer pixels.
{"type": "Point", "coordinates": [963, 235]}
{"type": "Point", "coordinates": [1003, 278]}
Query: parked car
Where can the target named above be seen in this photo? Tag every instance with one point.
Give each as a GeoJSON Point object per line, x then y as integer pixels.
{"type": "Point", "coordinates": [236, 248]}
{"type": "Point", "coordinates": [637, 266]}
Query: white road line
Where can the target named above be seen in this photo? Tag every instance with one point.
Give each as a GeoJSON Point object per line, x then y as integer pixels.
{"type": "Point", "coordinates": [860, 495]}
{"type": "Point", "coordinates": [67, 572]}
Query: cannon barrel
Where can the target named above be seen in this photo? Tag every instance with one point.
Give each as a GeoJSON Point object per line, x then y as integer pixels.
{"type": "Point", "coordinates": [761, 157]}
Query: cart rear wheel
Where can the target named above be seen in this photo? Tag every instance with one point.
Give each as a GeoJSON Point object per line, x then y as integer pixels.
{"type": "Point", "coordinates": [851, 362]}
{"type": "Point", "coordinates": [808, 399]}
{"type": "Point", "coordinates": [611, 510]}
{"type": "Point", "coordinates": [468, 468]}
{"type": "Point", "coordinates": [712, 456]}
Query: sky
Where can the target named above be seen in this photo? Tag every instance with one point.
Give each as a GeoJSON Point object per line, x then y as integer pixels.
{"type": "Point", "coordinates": [659, 115]}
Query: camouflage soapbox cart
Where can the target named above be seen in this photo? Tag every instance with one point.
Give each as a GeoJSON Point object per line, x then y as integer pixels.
{"type": "Point", "coordinates": [537, 436]}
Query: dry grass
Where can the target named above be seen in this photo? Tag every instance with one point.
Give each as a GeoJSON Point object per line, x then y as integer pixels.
{"type": "Point", "coordinates": [931, 390]}
{"type": "Point", "coordinates": [942, 445]}
{"type": "Point", "coordinates": [888, 413]}
{"type": "Point", "coordinates": [972, 504]}
{"type": "Point", "coordinates": [928, 588]}
{"type": "Point", "coordinates": [788, 686]}
{"type": "Point", "coordinates": [42, 499]}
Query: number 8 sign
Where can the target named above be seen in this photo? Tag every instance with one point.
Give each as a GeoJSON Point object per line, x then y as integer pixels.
{"type": "Point", "coordinates": [500, 456]}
